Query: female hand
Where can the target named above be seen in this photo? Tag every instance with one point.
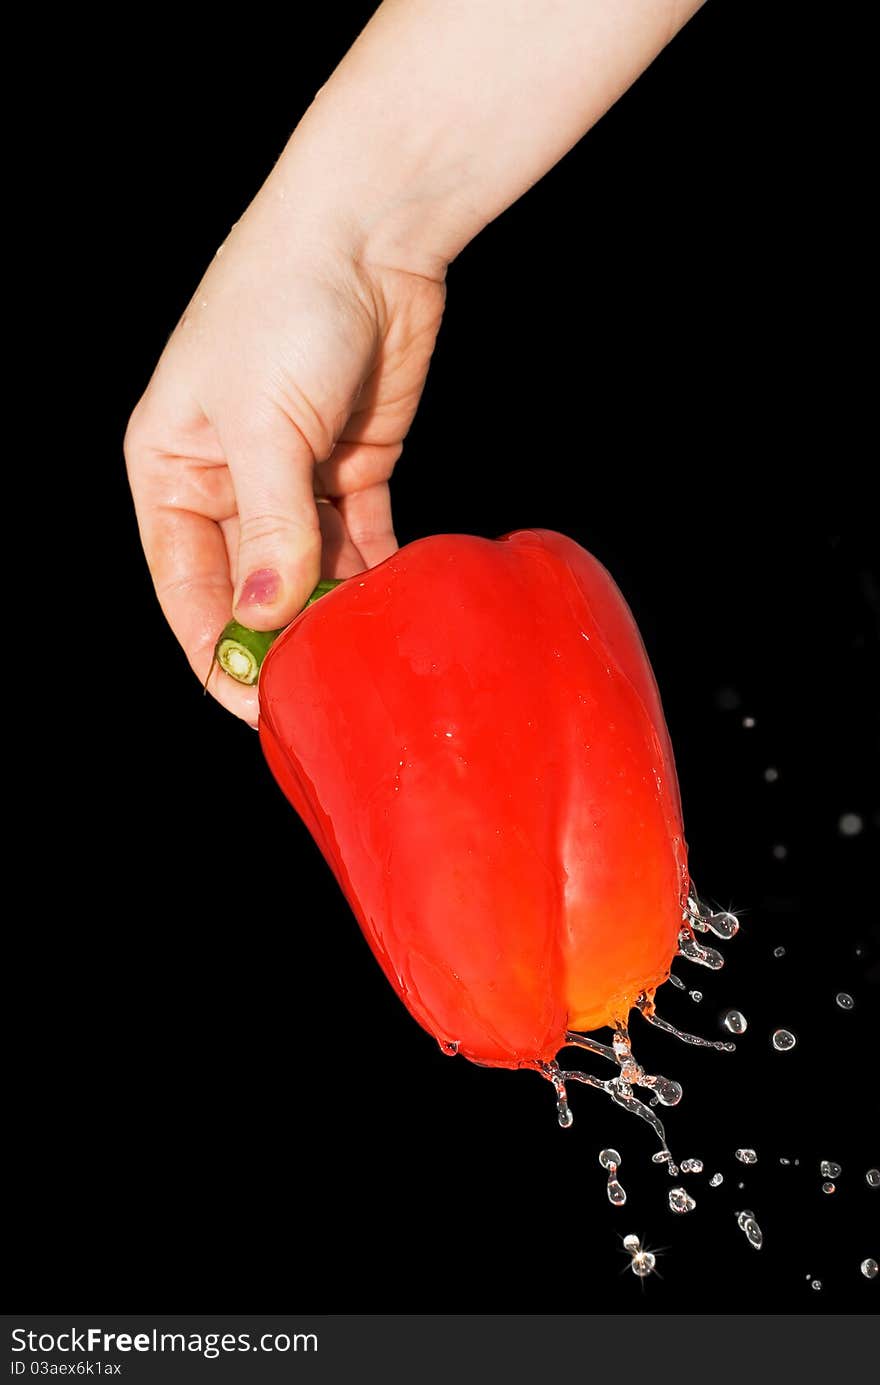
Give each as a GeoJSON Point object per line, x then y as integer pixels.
{"type": "Point", "coordinates": [298, 365]}
{"type": "Point", "coordinates": [292, 378]}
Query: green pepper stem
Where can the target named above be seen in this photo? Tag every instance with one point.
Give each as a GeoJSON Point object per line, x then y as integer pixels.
{"type": "Point", "coordinates": [240, 651]}
{"type": "Point", "coordinates": [325, 585]}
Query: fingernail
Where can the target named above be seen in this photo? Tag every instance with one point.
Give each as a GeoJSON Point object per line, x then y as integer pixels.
{"type": "Point", "coordinates": [261, 588]}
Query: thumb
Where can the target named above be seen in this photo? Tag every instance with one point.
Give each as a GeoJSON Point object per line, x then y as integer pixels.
{"type": "Point", "coordinates": [279, 540]}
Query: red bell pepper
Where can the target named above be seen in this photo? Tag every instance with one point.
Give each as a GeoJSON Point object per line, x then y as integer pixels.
{"type": "Point", "coordinates": [473, 735]}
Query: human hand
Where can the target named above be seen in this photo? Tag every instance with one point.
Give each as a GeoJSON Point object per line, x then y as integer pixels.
{"type": "Point", "coordinates": [292, 378]}
{"type": "Point", "coordinates": [297, 368]}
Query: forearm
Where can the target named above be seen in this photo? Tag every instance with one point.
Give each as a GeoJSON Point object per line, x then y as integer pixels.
{"type": "Point", "coordinates": [445, 111]}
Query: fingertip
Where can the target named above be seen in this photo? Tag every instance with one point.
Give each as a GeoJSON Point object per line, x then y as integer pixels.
{"type": "Point", "coordinates": [268, 598]}
{"type": "Point", "coordinates": [260, 592]}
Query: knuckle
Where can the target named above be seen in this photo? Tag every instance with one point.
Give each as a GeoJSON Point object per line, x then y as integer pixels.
{"type": "Point", "coordinates": [191, 586]}
{"type": "Point", "coordinates": [273, 525]}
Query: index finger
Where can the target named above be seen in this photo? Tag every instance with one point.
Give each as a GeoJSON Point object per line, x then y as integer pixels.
{"type": "Point", "coordinates": [180, 502]}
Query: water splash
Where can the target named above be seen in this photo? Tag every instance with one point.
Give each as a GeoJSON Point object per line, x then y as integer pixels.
{"type": "Point", "coordinates": [553, 1074]}
{"type": "Point", "coordinates": [695, 952]}
{"type": "Point", "coordinates": [645, 1006]}
{"type": "Point", "coordinates": [664, 1091]}
{"type": "Point", "coordinates": [692, 1166]}
{"type": "Point", "coordinates": [662, 1157]}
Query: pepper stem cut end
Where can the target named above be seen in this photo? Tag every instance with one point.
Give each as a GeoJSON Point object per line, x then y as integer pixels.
{"type": "Point", "coordinates": [240, 651]}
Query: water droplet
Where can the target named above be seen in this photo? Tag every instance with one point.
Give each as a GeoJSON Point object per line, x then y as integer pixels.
{"type": "Point", "coordinates": [616, 1192]}
{"type": "Point", "coordinates": [748, 722]}
{"type": "Point", "coordinates": [680, 1201]}
{"type": "Point", "coordinates": [695, 952]}
{"type": "Point", "coordinates": [747, 1156]}
{"type": "Point", "coordinates": [872, 1178]}
{"type": "Point", "coordinates": [816, 1284]}
{"type": "Point", "coordinates": [780, 852]}
{"type": "Point", "coordinates": [723, 924]}
{"type": "Point", "coordinates": [692, 1166]}
{"type": "Point", "coordinates": [829, 1169]}
{"type": "Point", "coordinates": [449, 1047]}
{"type": "Point", "coordinates": [785, 1162]}
{"type": "Point", "coordinates": [716, 1180]}
{"type": "Point", "coordinates": [783, 1040]}
{"type": "Point", "coordinates": [735, 1021]}
{"type": "Point", "coordinates": [745, 1220]}
{"type": "Point", "coordinates": [844, 1000]}
{"type": "Point", "coordinates": [771, 774]}
{"type": "Point", "coordinates": [849, 824]}
{"type": "Point", "coordinates": [609, 1158]}
{"type": "Point", "coordinates": [676, 981]}
{"type": "Point", "coordinates": [553, 1074]}
{"type": "Point", "coordinates": [668, 1093]}
{"type": "Point", "coordinates": [632, 1244]}
{"type": "Point", "coordinates": [643, 1263]}
{"type": "Point", "coordinates": [779, 952]}
{"type": "Point", "coordinates": [696, 995]}
{"type": "Point", "coordinates": [662, 1156]}
{"type": "Point", "coordinates": [828, 1188]}
{"type": "Point", "coordinates": [870, 1268]}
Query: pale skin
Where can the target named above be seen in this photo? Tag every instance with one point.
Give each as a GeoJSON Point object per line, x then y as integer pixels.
{"type": "Point", "coordinates": [260, 454]}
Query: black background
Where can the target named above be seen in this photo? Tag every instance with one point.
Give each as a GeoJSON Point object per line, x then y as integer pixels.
{"type": "Point", "coordinates": [218, 1101]}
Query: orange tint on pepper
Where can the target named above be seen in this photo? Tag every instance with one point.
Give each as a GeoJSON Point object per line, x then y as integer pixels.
{"type": "Point", "coordinates": [473, 735]}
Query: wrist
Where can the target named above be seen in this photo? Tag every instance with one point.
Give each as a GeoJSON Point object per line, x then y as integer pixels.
{"type": "Point", "coordinates": [372, 202]}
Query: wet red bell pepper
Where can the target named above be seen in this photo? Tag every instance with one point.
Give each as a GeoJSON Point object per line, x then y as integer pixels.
{"type": "Point", "coordinates": [473, 735]}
